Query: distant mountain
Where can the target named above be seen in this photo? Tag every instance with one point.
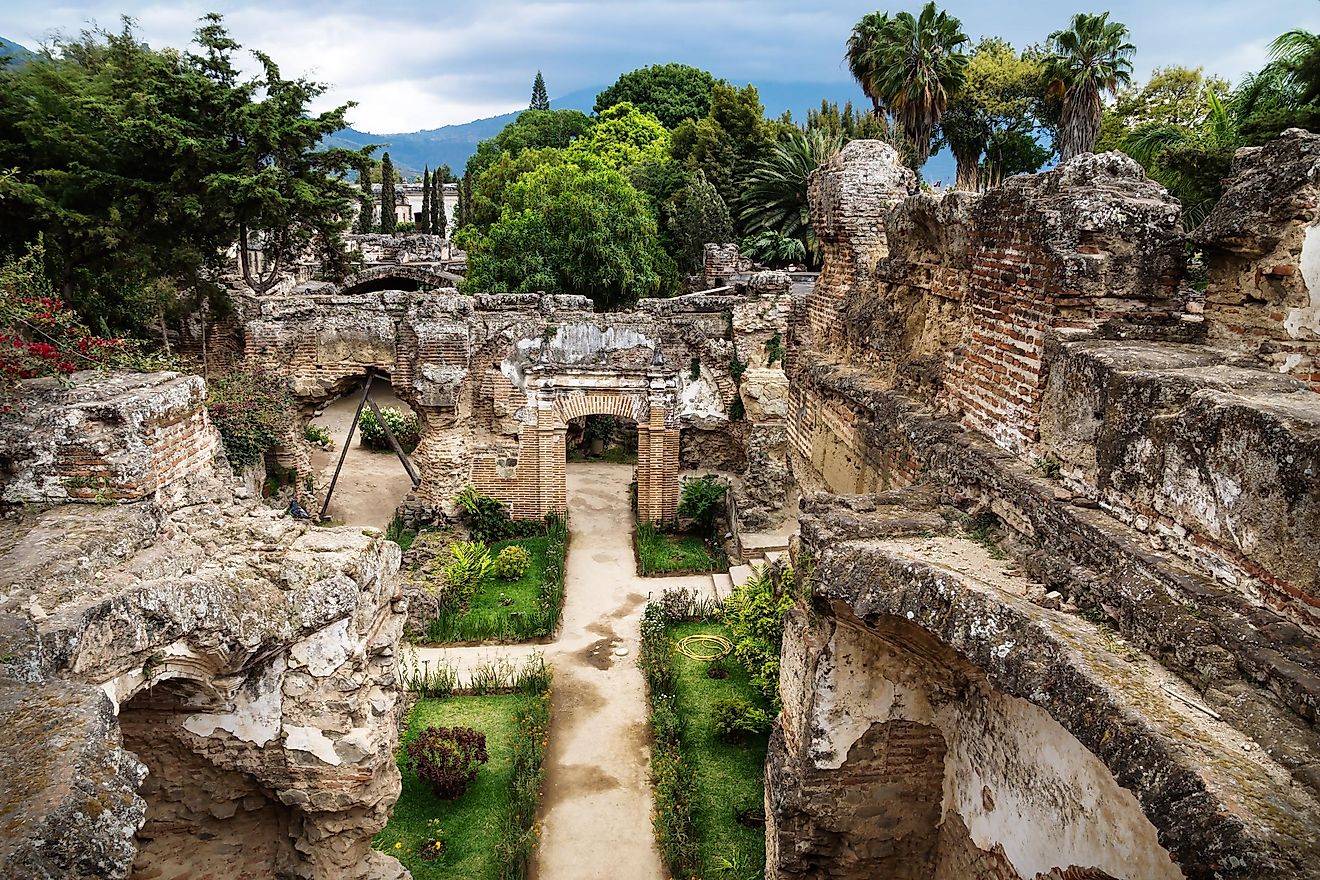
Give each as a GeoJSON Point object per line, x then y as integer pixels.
{"type": "Point", "coordinates": [12, 53]}
{"type": "Point", "coordinates": [452, 144]}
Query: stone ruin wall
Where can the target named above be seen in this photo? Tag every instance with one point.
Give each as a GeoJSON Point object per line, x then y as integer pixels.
{"type": "Point", "coordinates": [496, 378]}
{"type": "Point", "coordinates": [1032, 353]}
{"type": "Point", "coordinates": [212, 684]}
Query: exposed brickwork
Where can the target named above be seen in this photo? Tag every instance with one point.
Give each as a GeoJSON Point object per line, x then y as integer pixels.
{"type": "Point", "coordinates": [119, 439]}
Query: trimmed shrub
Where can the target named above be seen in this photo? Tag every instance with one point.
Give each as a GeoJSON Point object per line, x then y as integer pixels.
{"type": "Point", "coordinates": [702, 500]}
{"type": "Point", "coordinates": [404, 426]}
{"type": "Point", "coordinates": [512, 563]}
{"type": "Point", "coordinates": [735, 719]}
{"type": "Point", "coordinates": [447, 759]}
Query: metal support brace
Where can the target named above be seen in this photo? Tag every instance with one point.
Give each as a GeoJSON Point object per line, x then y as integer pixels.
{"type": "Point", "coordinates": [352, 429]}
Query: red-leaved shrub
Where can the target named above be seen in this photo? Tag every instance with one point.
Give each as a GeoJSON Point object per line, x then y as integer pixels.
{"type": "Point", "coordinates": [447, 758]}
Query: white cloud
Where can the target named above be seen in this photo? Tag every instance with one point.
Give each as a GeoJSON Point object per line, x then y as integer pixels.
{"type": "Point", "coordinates": [413, 65]}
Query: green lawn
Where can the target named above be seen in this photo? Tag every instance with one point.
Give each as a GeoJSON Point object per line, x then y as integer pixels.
{"type": "Point", "coordinates": [471, 824]}
{"type": "Point", "coordinates": [663, 553]}
{"type": "Point", "coordinates": [728, 778]}
{"type": "Point", "coordinates": [488, 617]}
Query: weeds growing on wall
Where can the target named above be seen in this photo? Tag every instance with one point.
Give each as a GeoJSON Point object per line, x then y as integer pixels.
{"type": "Point", "coordinates": [250, 410]}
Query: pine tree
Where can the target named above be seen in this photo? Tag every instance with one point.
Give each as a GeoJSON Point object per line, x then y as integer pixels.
{"type": "Point", "coordinates": [388, 216]}
{"type": "Point", "coordinates": [424, 219]}
{"type": "Point", "coordinates": [366, 203]}
{"type": "Point", "coordinates": [439, 221]}
{"type": "Point", "coordinates": [540, 99]}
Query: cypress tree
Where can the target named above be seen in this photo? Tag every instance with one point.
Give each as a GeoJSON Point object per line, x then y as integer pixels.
{"type": "Point", "coordinates": [439, 222]}
{"type": "Point", "coordinates": [540, 99]}
{"type": "Point", "coordinates": [388, 217]}
{"type": "Point", "coordinates": [365, 202]}
{"type": "Point", "coordinates": [424, 219]}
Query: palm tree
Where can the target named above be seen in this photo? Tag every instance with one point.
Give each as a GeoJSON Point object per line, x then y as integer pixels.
{"type": "Point", "coordinates": [911, 67]}
{"type": "Point", "coordinates": [861, 49]}
{"type": "Point", "coordinates": [1297, 54]}
{"type": "Point", "coordinates": [1191, 161]}
{"type": "Point", "coordinates": [1091, 57]}
{"type": "Point", "coordinates": [775, 195]}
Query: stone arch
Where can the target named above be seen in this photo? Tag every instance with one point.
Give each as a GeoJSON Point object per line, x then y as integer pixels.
{"type": "Point", "coordinates": [411, 277]}
{"type": "Point", "coordinates": [533, 482]}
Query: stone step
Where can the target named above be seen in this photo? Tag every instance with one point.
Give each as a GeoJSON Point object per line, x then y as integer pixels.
{"type": "Point", "coordinates": [775, 555]}
{"type": "Point", "coordinates": [740, 574]}
{"type": "Point", "coordinates": [722, 583]}
{"type": "Point", "coordinates": [759, 543]}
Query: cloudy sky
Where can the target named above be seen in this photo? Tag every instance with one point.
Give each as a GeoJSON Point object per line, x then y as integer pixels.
{"type": "Point", "coordinates": [415, 65]}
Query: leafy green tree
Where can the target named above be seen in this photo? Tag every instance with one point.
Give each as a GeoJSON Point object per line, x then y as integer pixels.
{"type": "Point", "coordinates": [1000, 100]}
{"type": "Point", "coordinates": [624, 137]}
{"type": "Point", "coordinates": [775, 192]}
{"type": "Point", "coordinates": [1285, 93]}
{"type": "Point", "coordinates": [670, 92]}
{"type": "Point", "coordinates": [695, 216]}
{"type": "Point", "coordinates": [563, 229]}
{"type": "Point", "coordinates": [140, 168]}
{"type": "Point", "coordinates": [532, 130]}
{"type": "Point", "coordinates": [911, 67]}
{"type": "Point", "coordinates": [1011, 151]}
{"type": "Point", "coordinates": [728, 141]}
{"type": "Point", "coordinates": [845, 124]}
{"type": "Point", "coordinates": [540, 98]}
{"type": "Point", "coordinates": [388, 216]}
{"type": "Point", "coordinates": [1091, 57]}
{"type": "Point", "coordinates": [424, 218]}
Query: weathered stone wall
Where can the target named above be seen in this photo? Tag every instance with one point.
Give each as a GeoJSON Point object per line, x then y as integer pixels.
{"type": "Point", "coordinates": [122, 439]}
{"type": "Point", "coordinates": [1262, 252]}
{"type": "Point", "coordinates": [952, 297]}
{"type": "Point", "coordinates": [249, 656]}
{"type": "Point", "coordinates": [1033, 718]}
{"type": "Point", "coordinates": [1139, 675]}
{"type": "Point", "coordinates": [496, 378]}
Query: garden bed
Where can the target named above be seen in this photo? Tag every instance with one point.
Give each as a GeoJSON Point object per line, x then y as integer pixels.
{"type": "Point", "coordinates": [709, 794]}
{"type": "Point", "coordinates": [488, 833]}
{"type": "Point", "coordinates": [662, 553]}
{"type": "Point", "coordinates": [513, 610]}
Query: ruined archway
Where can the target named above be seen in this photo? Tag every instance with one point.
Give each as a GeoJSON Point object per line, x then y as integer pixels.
{"type": "Point", "coordinates": [533, 482]}
{"type": "Point", "coordinates": [398, 277]}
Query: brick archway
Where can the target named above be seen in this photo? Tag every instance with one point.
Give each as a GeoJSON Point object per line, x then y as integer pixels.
{"type": "Point", "coordinates": [537, 485]}
{"type": "Point", "coordinates": [371, 278]}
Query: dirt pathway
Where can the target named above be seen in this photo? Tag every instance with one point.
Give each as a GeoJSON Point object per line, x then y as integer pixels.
{"type": "Point", "coordinates": [596, 806]}
{"type": "Point", "coordinates": [371, 484]}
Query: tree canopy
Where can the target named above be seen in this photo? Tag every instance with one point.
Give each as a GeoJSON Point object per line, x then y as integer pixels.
{"type": "Point", "coordinates": [139, 168]}
{"type": "Point", "coordinates": [670, 92]}
{"type": "Point", "coordinates": [563, 229]}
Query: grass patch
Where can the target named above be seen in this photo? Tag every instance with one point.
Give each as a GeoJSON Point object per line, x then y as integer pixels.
{"type": "Point", "coordinates": [661, 553]}
{"type": "Point", "coordinates": [728, 777]}
{"type": "Point", "coordinates": [527, 608]}
{"type": "Point", "coordinates": [489, 832]}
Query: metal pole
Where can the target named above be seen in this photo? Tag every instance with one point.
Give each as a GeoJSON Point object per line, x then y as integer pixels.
{"type": "Point", "coordinates": [343, 453]}
{"type": "Point", "coordinates": [398, 450]}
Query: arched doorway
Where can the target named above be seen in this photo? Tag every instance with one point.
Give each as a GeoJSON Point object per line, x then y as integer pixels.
{"type": "Point", "coordinates": [534, 483]}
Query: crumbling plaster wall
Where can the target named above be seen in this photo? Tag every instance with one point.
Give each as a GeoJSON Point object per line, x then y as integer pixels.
{"type": "Point", "coordinates": [495, 377]}
{"type": "Point", "coordinates": [1028, 353]}
{"type": "Point", "coordinates": [1261, 246]}
{"type": "Point", "coordinates": [282, 635]}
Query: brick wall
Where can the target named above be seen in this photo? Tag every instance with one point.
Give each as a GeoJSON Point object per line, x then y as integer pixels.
{"type": "Point", "coordinates": [122, 437]}
{"type": "Point", "coordinates": [951, 298]}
